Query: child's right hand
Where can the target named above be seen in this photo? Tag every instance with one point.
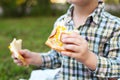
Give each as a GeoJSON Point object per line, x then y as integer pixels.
{"type": "Point", "coordinates": [30, 58]}
{"type": "Point", "coordinates": [25, 54]}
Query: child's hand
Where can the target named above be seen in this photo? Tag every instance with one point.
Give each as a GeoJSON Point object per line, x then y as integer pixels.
{"type": "Point", "coordinates": [77, 46]}
{"type": "Point", "coordinates": [30, 58]}
{"type": "Point", "coordinates": [25, 54]}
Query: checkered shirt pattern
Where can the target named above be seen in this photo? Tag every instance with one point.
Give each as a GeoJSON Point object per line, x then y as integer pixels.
{"type": "Point", "coordinates": [103, 32]}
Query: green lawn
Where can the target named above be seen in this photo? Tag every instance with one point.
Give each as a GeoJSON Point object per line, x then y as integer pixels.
{"type": "Point", "coordinates": [33, 32]}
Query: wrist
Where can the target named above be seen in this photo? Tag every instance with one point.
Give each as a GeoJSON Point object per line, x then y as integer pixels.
{"type": "Point", "coordinates": [36, 60]}
{"type": "Point", "coordinates": [91, 61]}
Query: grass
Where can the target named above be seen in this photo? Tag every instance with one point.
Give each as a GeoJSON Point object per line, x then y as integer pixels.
{"type": "Point", "coordinates": [33, 32]}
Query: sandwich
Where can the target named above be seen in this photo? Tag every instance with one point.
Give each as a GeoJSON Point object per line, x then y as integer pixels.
{"type": "Point", "coordinates": [14, 47]}
{"type": "Point", "coordinates": [54, 40]}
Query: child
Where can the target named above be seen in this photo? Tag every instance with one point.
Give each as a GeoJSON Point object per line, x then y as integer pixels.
{"type": "Point", "coordinates": [94, 52]}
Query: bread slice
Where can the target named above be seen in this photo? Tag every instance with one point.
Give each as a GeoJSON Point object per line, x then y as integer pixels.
{"type": "Point", "coordinates": [14, 47]}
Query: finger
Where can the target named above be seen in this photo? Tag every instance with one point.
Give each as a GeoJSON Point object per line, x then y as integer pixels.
{"type": "Point", "coordinates": [72, 38]}
{"type": "Point", "coordinates": [64, 35]}
{"type": "Point", "coordinates": [75, 41]}
{"type": "Point", "coordinates": [73, 35]}
{"type": "Point", "coordinates": [20, 64]}
{"type": "Point", "coordinates": [24, 52]}
{"type": "Point", "coordinates": [13, 56]}
{"type": "Point", "coordinates": [71, 47]}
{"type": "Point", "coordinates": [17, 61]}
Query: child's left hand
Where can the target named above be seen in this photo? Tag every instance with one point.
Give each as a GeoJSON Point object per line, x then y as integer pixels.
{"type": "Point", "coordinates": [76, 45]}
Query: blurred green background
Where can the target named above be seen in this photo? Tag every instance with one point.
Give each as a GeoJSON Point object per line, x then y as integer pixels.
{"type": "Point", "coordinates": [31, 21]}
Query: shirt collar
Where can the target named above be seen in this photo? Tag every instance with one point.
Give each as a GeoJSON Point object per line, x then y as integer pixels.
{"type": "Point", "coordinates": [95, 15]}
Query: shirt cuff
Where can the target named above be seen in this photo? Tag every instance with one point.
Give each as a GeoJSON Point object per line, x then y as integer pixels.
{"type": "Point", "coordinates": [102, 67]}
{"type": "Point", "coordinates": [44, 58]}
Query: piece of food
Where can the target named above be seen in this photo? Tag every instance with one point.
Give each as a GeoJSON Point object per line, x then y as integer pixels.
{"type": "Point", "coordinates": [54, 40]}
{"type": "Point", "coordinates": [14, 47]}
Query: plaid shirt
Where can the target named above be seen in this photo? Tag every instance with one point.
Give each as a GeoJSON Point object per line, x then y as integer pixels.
{"type": "Point", "coordinates": [103, 32]}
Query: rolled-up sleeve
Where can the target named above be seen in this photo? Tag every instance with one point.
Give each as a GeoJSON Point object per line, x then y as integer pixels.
{"type": "Point", "coordinates": [51, 60]}
{"type": "Point", "coordinates": [109, 65]}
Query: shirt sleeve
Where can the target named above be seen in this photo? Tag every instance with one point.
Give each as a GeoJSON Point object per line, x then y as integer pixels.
{"type": "Point", "coordinates": [50, 60]}
{"type": "Point", "coordinates": [108, 66]}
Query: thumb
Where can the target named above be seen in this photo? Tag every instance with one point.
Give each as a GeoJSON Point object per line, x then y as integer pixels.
{"type": "Point", "coordinates": [24, 53]}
